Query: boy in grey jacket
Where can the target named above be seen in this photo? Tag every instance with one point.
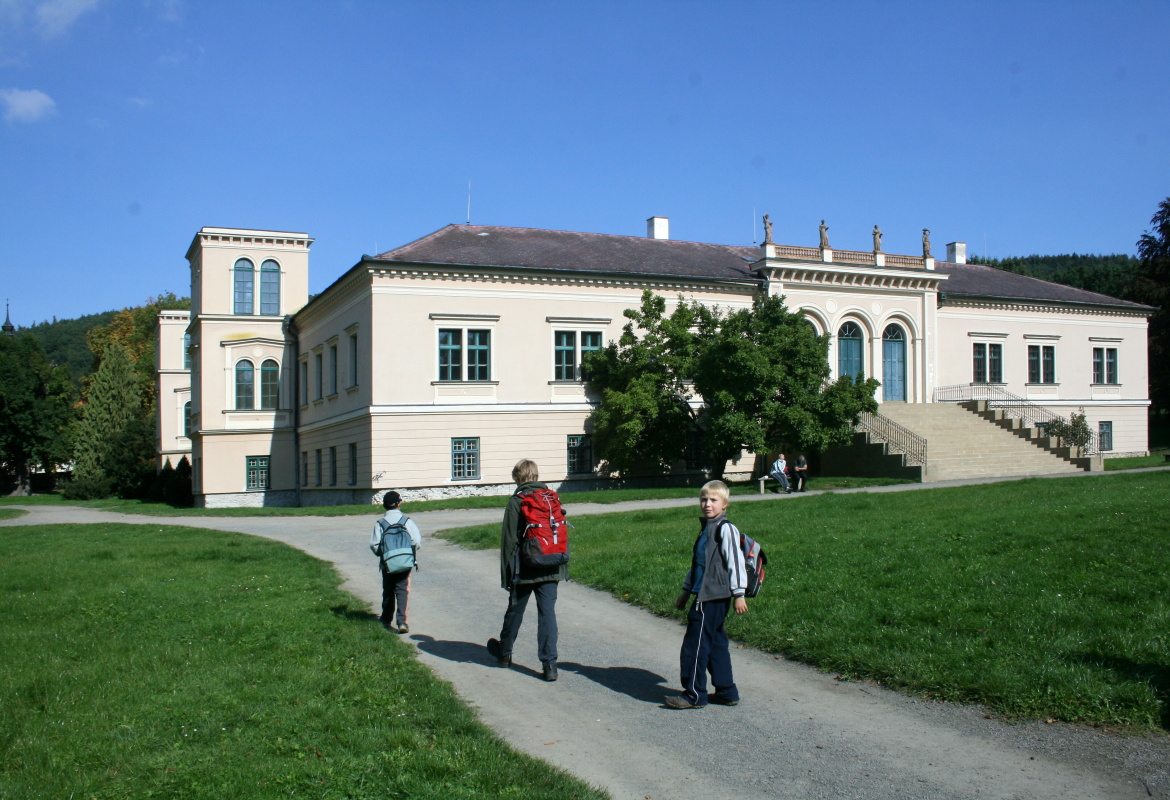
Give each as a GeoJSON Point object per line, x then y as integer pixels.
{"type": "Point", "coordinates": [717, 579]}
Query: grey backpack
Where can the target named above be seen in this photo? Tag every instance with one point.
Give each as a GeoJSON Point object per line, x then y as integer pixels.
{"type": "Point", "coordinates": [396, 548]}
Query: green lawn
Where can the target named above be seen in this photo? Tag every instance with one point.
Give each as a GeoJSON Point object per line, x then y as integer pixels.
{"type": "Point", "coordinates": [1157, 459]}
{"type": "Point", "coordinates": [1040, 598]}
{"type": "Point", "coordinates": [606, 496]}
{"type": "Point", "coordinates": [11, 513]}
{"type": "Point", "coordinates": [153, 661]}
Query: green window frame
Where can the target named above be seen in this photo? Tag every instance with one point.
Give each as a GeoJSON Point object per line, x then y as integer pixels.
{"type": "Point", "coordinates": [269, 385]}
{"type": "Point", "coordinates": [258, 472]}
{"type": "Point", "coordinates": [465, 459]}
{"type": "Point", "coordinates": [245, 385]}
{"type": "Point", "coordinates": [244, 280]}
{"type": "Point", "coordinates": [270, 288]}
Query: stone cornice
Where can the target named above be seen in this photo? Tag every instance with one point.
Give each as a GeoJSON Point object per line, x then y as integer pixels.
{"type": "Point", "coordinates": [1037, 306]}
{"type": "Point", "coordinates": [805, 274]}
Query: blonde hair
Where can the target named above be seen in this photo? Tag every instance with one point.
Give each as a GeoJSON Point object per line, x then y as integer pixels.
{"type": "Point", "coordinates": [525, 471]}
{"type": "Point", "coordinates": [718, 489]}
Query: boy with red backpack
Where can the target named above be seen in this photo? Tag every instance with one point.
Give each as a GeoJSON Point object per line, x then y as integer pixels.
{"type": "Point", "coordinates": [533, 559]}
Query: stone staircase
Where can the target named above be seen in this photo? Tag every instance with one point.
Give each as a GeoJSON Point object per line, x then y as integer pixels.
{"type": "Point", "coordinates": [965, 444]}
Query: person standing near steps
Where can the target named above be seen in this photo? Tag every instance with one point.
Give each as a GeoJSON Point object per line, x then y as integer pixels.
{"type": "Point", "coordinates": [522, 580]}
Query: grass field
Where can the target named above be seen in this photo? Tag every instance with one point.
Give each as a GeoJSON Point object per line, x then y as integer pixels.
{"type": "Point", "coordinates": [1039, 598]}
{"type": "Point", "coordinates": [1157, 459]}
{"type": "Point", "coordinates": [605, 496]}
{"type": "Point", "coordinates": [153, 661]}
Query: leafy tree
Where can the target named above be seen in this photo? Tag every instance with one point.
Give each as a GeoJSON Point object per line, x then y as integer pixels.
{"type": "Point", "coordinates": [111, 419]}
{"type": "Point", "coordinates": [64, 342]}
{"type": "Point", "coordinates": [36, 408]}
{"type": "Point", "coordinates": [1153, 288]}
{"type": "Point", "coordinates": [762, 374]}
{"type": "Point", "coordinates": [133, 329]}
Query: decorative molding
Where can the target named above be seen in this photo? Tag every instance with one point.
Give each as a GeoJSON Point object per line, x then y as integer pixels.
{"type": "Point", "coordinates": [578, 320]}
{"type": "Point", "coordinates": [1048, 337]}
{"type": "Point", "coordinates": [1038, 306]}
{"type": "Point", "coordinates": [1108, 339]}
{"type": "Point", "coordinates": [466, 317]}
{"type": "Point", "coordinates": [822, 276]}
{"type": "Point", "coordinates": [983, 335]}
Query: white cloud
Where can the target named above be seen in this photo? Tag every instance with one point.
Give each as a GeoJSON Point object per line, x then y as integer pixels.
{"type": "Point", "coordinates": [55, 16]}
{"type": "Point", "coordinates": [138, 102]}
{"type": "Point", "coordinates": [26, 105]}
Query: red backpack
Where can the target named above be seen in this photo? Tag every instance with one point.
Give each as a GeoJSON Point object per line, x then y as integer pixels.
{"type": "Point", "coordinates": [543, 531]}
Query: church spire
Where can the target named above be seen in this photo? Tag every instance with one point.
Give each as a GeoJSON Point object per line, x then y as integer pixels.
{"type": "Point", "coordinates": [8, 328]}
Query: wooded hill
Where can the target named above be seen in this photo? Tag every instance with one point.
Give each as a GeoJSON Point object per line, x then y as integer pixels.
{"type": "Point", "coordinates": [1113, 275]}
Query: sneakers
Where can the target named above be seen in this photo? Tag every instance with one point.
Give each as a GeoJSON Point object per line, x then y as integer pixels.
{"type": "Point", "coordinates": [404, 628]}
{"type": "Point", "coordinates": [680, 701]}
{"type": "Point", "coordinates": [549, 671]}
{"type": "Point", "coordinates": [721, 700]}
{"type": "Point", "coordinates": [497, 652]}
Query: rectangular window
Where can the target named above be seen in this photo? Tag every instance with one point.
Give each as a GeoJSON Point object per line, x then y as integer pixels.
{"type": "Point", "coordinates": [464, 459]}
{"type": "Point", "coordinates": [479, 355]}
{"type": "Point", "coordinates": [353, 360]}
{"type": "Point", "coordinates": [580, 454]}
{"type": "Point", "coordinates": [305, 468]}
{"type": "Point", "coordinates": [319, 371]}
{"type": "Point", "coordinates": [304, 383]}
{"type": "Point", "coordinates": [332, 466]}
{"type": "Point", "coordinates": [353, 464]}
{"type": "Point", "coordinates": [450, 355]}
{"type": "Point", "coordinates": [980, 357]}
{"type": "Point", "coordinates": [1104, 365]}
{"type": "Point", "coordinates": [257, 472]}
{"type": "Point", "coordinates": [1041, 363]}
{"type": "Point", "coordinates": [186, 351]}
{"type": "Point", "coordinates": [332, 369]}
{"type": "Point", "coordinates": [568, 360]}
{"type": "Point", "coordinates": [1105, 435]}
{"type": "Point", "coordinates": [318, 465]}
{"type": "Point", "coordinates": [995, 363]}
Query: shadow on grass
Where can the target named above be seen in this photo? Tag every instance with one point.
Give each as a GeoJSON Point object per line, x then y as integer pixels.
{"type": "Point", "coordinates": [355, 614]}
{"type": "Point", "coordinates": [1156, 675]}
{"type": "Point", "coordinates": [639, 684]}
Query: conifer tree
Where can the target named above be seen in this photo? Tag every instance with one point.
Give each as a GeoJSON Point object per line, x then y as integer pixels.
{"type": "Point", "coordinates": [112, 405]}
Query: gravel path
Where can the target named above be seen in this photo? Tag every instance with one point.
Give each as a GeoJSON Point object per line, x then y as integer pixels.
{"type": "Point", "coordinates": [798, 734]}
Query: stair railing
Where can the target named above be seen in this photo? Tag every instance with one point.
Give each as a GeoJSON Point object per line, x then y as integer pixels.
{"type": "Point", "coordinates": [1014, 406]}
{"type": "Point", "coordinates": [898, 439]}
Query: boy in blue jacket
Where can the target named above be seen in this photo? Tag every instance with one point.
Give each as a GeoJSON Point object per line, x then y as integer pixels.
{"type": "Point", "coordinates": [717, 579]}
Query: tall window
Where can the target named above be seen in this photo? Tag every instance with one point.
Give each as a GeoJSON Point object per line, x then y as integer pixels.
{"type": "Point", "coordinates": [353, 359]}
{"type": "Point", "coordinates": [318, 476]}
{"type": "Point", "coordinates": [270, 288]}
{"type": "Point", "coordinates": [568, 361]}
{"type": "Point", "coordinates": [332, 369]}
{"type": "Point", "coordinates": [477, 354]}
{"type": "Point", "coordinates": [988, 360]}
{"type": "Point", "coordinates": [304, 383]}
{"type": "Point", "coordinates": [1041, 363]}
{"type": "Point", "coordinates": [1104, 365]}
{"type": "Point", "coordinates": [257, 472]}
{"type": "Point", "coordinates": [849, 361]}
{"type": "Point", "coordinates": [1105, 435]}
{"type": "Point", "coordinates": [464, 459]}
{"type": "Point", "coordinates": [353, 464]}
{"type": "Point", "coordinates": [305, 468]}
{"type": "Point", "coordinates": [187, 419]}
{"type": "Point", "coordinates": [580, 454]}
{"type": "Point", "coordinates": [319, 374]}
{"type": "Point", "coordinates": [269, 385]}
{"type": "Point", "coordinates": [245, 385]}
{"type": "Point", "coordinates": [186, 351]}
{"type": "Point", "coordinates": [332, 466]}
{"type": "Point", "coordinates": [245, 278]}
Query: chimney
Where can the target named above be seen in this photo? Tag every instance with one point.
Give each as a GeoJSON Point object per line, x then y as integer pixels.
{"type": "Point", "coordinates": [957, 252]}
{"type": "Point", "coordinates": [658, 228]}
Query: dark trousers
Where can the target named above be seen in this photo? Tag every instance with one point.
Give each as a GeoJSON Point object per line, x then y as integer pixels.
{"type": "Point", "coordinates": [395, 594]}
{"type": "Point", "coordinates": [704, 649]}
{"type": "Point", "coordinates": [546, 619]}
{"type": "Point", "coordinates": [799, 478]}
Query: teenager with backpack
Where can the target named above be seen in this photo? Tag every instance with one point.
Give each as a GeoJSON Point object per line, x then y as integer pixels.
{"type": "Point", "coordinates": [533, 559]}
{"type": "Point", "coordinates": [395, 541]}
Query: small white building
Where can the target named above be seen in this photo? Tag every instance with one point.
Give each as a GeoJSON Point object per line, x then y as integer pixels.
{"type": "Point", "coordinates": [434, 367]}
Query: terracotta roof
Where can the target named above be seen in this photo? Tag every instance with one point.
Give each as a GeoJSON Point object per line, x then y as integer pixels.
{"type": "Point", "coordinates": [535, 248]}
{"type": "Point", "coordinates": [979, 280]}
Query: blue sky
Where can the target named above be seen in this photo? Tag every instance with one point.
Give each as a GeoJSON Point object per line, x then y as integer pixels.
{"type": "Point", "coordinates": [126, 125]}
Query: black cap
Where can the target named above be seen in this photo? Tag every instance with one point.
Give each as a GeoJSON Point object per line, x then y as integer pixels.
{"type": "Point", "coordinates": [391, 500]}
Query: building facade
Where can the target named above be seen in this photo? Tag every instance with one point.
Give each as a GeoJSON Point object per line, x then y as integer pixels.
{"type": "Point", "coordinates": [434, 367]}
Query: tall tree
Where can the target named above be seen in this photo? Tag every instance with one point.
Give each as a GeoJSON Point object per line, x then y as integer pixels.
{"type": "Point", "coordinates": [133, 329]}
{"type": "Point", "coordinates": [1153, 288]}
{"type": "Point", "coordinates": [753, 379]}
{"type": "Point", "coordinates": [36, 408]}
{"type": "Point", "coordinates": [110, 419]}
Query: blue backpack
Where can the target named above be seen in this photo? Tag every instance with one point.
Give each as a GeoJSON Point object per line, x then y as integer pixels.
{"type": "Point", "coordinates": [396, 548]}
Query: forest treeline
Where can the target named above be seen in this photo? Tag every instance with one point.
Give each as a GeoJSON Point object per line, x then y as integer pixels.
{"type": "Point", "coordinates": [1113, 275]}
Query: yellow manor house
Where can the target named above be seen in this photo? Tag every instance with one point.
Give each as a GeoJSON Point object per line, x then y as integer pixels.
{"type": "Point", "coordinates": [433, 368]}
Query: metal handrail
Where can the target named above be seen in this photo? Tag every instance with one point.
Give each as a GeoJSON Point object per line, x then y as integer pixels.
{"type": "Point", "coordinates": [899, 439]}
{"type": "Point", "coordinates": [1012, 405]}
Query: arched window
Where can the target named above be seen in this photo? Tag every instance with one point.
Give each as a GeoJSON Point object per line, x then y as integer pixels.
{"type": "Point", "coordinates": [245, 282]}
{"type": "Point", "coordinates": [849, 361]}
{"type": "Point", "coordinates": [187, 419]}
{"type": "Point", "coordinates": [269, 385]}
{"type": "Point", "coordinates": [245, 386]}
{"type": "Point", "coordinates": [270, 288]}
{"type": "Point", "coordinates": [894, 364]}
